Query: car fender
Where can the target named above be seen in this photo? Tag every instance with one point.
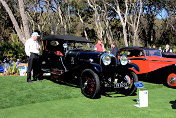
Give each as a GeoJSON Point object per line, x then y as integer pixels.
{"type": "Point", "coordinates": [96, 67]}
{"type": "Point", "coordinates": [93, 66]}
{"type": "Point", "coordinates": [133, 67]}
{"type": "Point", "coordinates": [122, 69]}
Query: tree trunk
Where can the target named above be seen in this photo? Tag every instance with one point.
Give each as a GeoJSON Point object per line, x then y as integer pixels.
{"type": "Point", "coordinates": [17, 28]}
{"type": "Point", "coordinates": [136, 41]}
{"type": "Point", "coordinates": [62, 27]}
{"type": "Point", "coordinates": [80, 18]}
{"type": "Point", "coordinates": [123, 20]}
{"type": "Point", "coordinates": [98, 23]}
{"type": "Point", "coordinates": [109, 34]}
{"type": "Point", "coordinates": [69, 16]}
{"type": "Point", "coordinates": [125, 35]}
{"type": "Point", "coordinates": [24, 19]}
{"type": "Point", "coordinates": [53, 29]}
{"type": "Point", "coordinates": [134, 19]}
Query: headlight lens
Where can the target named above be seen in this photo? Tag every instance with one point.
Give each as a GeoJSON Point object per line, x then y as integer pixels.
{"type": "Point", "coordinates": [123, 60]}
{"type": "Point", "coordinates": [106, 60]}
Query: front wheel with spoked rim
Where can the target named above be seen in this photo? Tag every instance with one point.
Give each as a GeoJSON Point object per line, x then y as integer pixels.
{"type": "Point", "coordinates": [130, 78]}
{"type": "Point", "coordinates": [90, 84]}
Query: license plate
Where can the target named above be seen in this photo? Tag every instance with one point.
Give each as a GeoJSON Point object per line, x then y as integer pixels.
{"type": "Point", "coordinates": [120, 85]}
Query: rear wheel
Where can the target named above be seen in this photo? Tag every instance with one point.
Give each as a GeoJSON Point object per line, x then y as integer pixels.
{"type": "Point", "coordinates": [90, 84]}
{"type": "Point", "coordinates": [171, 80]}
{"type": "Point", "coordinates": [130, 78]}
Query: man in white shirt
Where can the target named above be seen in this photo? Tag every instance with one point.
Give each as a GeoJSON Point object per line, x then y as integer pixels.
{"type": "Point", "coordinates": [32, 49]}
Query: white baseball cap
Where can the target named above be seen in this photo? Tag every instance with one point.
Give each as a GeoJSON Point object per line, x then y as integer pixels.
{"type": "Point", "coordinates": [35, 33]}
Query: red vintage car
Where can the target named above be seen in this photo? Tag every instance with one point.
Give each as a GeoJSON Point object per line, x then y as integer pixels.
{"type": "Point", "coordinates": [151, 63]}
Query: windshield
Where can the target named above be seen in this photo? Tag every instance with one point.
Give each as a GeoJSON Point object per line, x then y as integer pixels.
{"type": "Point", "coordinates": [84, 46]}
{"type": "Point", "coordinates": [153, 53]}
{"type": "Point", "coordinates": [131, 53]}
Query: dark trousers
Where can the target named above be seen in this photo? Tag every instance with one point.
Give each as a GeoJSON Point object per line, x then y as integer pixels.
{"type": "Point", "coordinates": [34, 64]}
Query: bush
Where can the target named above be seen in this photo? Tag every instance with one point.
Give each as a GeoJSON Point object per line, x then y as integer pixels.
{"type": "Point", "coordinates": [13, 70]}
{"type": "Point", "coordinates": [14, 48]}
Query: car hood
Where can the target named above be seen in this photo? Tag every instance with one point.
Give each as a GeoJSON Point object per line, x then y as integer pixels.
{"type": "Point", "coordinates": [152, 63]}
{"type": "Point", "coordinates": [84, 54]}
{"type": "Point", "coordinates": [163, 59]}
{"type": "Point", "coordinates": [90, 54]}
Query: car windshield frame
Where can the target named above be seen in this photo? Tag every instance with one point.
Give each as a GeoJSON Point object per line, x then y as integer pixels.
{"type": "Point", "coordinates": [59, 41]}
{"type": "Point", "coordinates": [78, 45]}
{"type": "Point", "coordinates": [151, 53]}
{"type": "Point", "coordinates": [132, 52]}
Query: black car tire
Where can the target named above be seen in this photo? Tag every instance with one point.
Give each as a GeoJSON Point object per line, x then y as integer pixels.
{"type": "Point", "coordinates": [170, 81]}
{"type": "Point", "coordinates": [132, 88]}
{"type": "Point", "coordinates": [90, 84]}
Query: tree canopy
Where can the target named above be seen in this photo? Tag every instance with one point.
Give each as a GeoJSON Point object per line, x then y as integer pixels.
{"type": "Point", "coordinates": [128, 22]}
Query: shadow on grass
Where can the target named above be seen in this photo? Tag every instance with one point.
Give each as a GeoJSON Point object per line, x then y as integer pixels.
{"type": "Point", "coordinates": [112, 95]}
{"type": "Point", "coordinates": [64, 80]}
{"type": "Point", "coordinates": [74, 82]}
{"type": "Point", "coordinates": [173, 104]}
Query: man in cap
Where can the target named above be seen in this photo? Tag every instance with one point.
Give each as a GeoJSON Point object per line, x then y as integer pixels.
{"type": "Point", "coordinates": [32, 49]}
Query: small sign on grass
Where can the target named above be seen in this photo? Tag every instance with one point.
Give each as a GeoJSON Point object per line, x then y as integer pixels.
{"type": "Point", "coordinates": [143, 95]}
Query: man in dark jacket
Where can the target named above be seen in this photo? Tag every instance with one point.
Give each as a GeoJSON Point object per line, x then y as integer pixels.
{"type": "Point", "coordinates": [114, 49]}
{"type": "Point", "coordinates": [167, 49]}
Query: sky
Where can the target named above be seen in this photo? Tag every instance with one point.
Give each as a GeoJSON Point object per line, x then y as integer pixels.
{"type": "Point", "coordinates": [162, 15]}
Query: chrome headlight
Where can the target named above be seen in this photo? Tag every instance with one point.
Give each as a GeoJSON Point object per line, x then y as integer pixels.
{"type": "Point", "coordinates": [123, 60]}
{"type": "Point", "coordinates": [106, 59]}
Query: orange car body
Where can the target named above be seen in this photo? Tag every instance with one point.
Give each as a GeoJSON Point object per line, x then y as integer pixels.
{"type": "Point", "coordinates": [150, 60]}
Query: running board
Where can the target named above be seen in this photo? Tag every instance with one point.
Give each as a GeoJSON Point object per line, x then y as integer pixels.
{"type": "Point", "coordinates": [46, 70]}
{"type": "Point", "coordinates": [57, 71]}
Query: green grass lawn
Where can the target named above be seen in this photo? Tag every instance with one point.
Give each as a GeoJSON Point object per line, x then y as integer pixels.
{"type": "Point", "coordinates": [46, 99]}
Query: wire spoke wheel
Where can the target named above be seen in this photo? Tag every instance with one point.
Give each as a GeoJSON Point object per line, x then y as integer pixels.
{"type": "Point", "coordinates": [129, 81]}
{"type": "Point", "coordinates": [130, 78]}
{"type": "Point", "coordinates": [90, 84]}
{"type": "Point", "coordinates": [171, 80]}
